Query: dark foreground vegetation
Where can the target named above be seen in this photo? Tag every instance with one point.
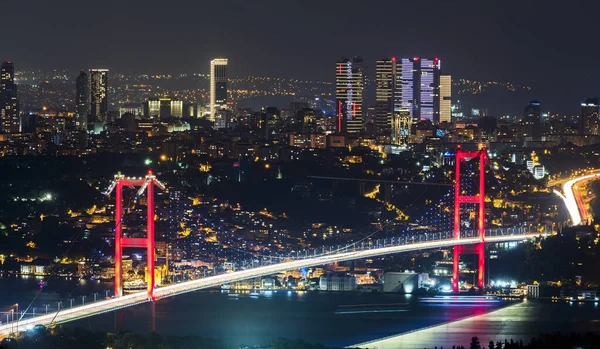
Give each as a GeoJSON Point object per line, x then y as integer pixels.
{"type": "Point", "coordinates": [80, 338]}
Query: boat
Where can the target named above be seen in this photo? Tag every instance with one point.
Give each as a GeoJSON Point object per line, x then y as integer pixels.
{"type": "Point", "coordinates": [134, 286]}
{"type": "Point", "coordinates": [254, 294]}
{"type": "Point", "coordinates": [233, 295]}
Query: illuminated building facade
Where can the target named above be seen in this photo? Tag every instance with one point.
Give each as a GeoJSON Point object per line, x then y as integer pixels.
{"type": "Point", "coordinates": [218, 86]}
{"type": "Point", "coordinates": [421, 88]}
{"type": "Point", "coordinates": [9, 104]}
{"type": "Point", "coordinates": [82, 100]}
{"type": "Point", "coordinates": [163, 107]}
{"type": "Point", "coordinates": [401, 127]}
{"type": "Point", "coordinates": [349, 89]}
{"type": "Point", "coordinates": [445, 98]}
{"type": "Point", "coordinates": [387, 92]}
{"type": "Point", "coordinates": [589, 122]}
{"type": "Point", "coordinates": [98, 94]}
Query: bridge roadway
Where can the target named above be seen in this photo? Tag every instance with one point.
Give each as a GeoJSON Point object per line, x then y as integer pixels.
{"type": "Point", "coordinates": [99, 307]}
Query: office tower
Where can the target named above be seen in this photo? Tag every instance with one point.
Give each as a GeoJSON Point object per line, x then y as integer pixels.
{"type": "Point", "coordinates": [9, 104]}
{"type": "Point", "coordinates": [589, 122]}
{"type": "Point", "coordinates": [445, 103]}
{"type": "Point", "coordinates": [531, 120]}
{"type": "Point", "coordinates": [401, 126]}
{"type": "Point", "coordinates": [430, 90]}
{"type": "Point", "coordinates": [306, 120]}
{"type": "Point", "coordinates": [218, 86]}
{"type": "Point", "coordinates": [349, 89]}
{"type": "Point", "coordinates": [532, 112]}
{"type": "Point", "coordinates": [421, 88]}
{"type": "Point", "coordinates": [387, 92]}
{"type": "Point", "coordinates": [163, 107]}
{"type": "Point", "coordinates": [82, 100]}
{"type": "Point", "coordinates": [98, 95]}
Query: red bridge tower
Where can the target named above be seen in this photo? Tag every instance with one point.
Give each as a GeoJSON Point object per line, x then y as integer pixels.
{"type": "Point", "coordinates": [479, 199]}
{"type": "Point", "coordinates": [147, 183]}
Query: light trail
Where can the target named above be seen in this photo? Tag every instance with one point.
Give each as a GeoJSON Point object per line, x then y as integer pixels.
{"type": "Point", "coordinates": [572, 201]}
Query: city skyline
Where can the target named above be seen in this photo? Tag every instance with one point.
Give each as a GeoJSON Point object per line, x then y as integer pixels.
{"type": "Point", "coordinates": [479, 41]}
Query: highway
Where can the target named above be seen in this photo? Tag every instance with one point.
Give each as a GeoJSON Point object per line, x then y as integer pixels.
{"type": "Point", "coordinates": [572, 198]}
{"type": "Point", "coordinates": [426, 241]}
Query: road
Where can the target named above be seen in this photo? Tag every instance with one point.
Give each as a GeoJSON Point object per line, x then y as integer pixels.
{"type": "Point", "coordinates": [573, 199]}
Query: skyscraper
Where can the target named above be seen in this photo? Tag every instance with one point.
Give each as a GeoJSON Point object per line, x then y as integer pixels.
{"type": "Point", "coordinates": [349, 89]}
{"type": "Point", "coordinates": [410, 79]}
{"type": "Point", "coordinates": [589, 123]}
{"type": "Point", "coordinates": [9, 104]}
{"type": "Point", "coordinates": [82, 100]}
{"type": "Point", "coordinates": [445, 98]}
{"type": "Point", "coordinates": [98, 94]}
{"type": "Point", "coordinates": [420, 88]}
{"type": "Point", "coordinates": [532, 112]}
{"type": "Point", "coordinates": [218, 85]}
{"type": "Point", "coordinates": [531, 120]}
{"type": "Point", "coordinates": [387, 92]}
{"type": "Point", "coordinates": [430, 90]}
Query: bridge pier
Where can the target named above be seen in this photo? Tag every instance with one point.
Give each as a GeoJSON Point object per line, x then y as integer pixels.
{"type": "Point", "coordinates": [477, 249]}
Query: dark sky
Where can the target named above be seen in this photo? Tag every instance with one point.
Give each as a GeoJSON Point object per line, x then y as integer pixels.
{"type": "Point", "coordinates": [550, 45]}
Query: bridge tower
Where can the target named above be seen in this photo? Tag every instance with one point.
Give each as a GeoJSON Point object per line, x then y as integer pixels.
{"type": "Point", "coordinates": [147, 183]}
{"type": "Point", "coordinates": [478, 199]}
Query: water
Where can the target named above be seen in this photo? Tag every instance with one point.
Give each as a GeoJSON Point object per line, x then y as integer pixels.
{"type": "Point", "coordinates": [334, 319]}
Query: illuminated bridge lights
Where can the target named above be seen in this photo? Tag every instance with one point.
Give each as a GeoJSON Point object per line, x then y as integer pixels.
{"type": "Point", "coordinates": [433, 241]}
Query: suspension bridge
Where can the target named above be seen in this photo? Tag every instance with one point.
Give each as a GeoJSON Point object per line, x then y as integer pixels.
{"type": "Point", "coordinates": [431, 233]}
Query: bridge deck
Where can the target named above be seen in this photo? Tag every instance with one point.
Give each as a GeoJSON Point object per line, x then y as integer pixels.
{"type": "Point", "coordinates": [99, 307]}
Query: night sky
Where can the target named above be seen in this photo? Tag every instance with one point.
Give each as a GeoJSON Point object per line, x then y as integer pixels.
{"type": "Point", "coordinates": [550, 45]}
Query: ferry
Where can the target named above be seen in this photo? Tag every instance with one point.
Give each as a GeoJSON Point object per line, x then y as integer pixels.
{"type": "Point", "coordinates": [134, 286]}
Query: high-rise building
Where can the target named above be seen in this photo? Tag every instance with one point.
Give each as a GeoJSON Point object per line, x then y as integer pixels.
{"type": "Point", "coordinates": [589, 122]}
{"type": "Point", "coordinates": [388, 91]}
{"type": "Point", "coordinates": [98, 95]}
{"type": "Point", "coordinates": [349, 89]}
{"type": "Point", "coordinates": [430, 90]}
{"type": "Point", "coordinates": [82, 100]}
{"type": "Point", "coordinates": [531, 121]}
{"type": "Point", "coordinates": [532, 112]}
{"type": "Point", "coordinates": [9, 104]}
{"type": "Point", "coordinates": [218, 86]}
{"type": "Point", "coordinates": [163, 107]}
{"type": "Point", "coordinates": [445, 98]}
{"type": "Point", "coordinates": [420, 88]}
{"type": "Point", "coordinates": [401, 127]}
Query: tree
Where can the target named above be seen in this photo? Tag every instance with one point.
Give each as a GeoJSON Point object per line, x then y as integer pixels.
{"type": "Point", "coordinates": [475, 343]}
